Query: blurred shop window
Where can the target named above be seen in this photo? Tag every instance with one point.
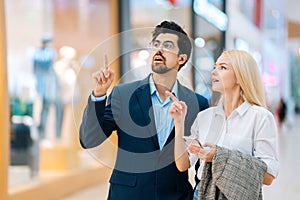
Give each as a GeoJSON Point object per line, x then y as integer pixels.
{"type": "Point", "coordinates": [42, 72]}
{"type": "Point", "coordinates": [295, 79]}
{"type": "Point", "coordinates": [140, 60]}
{"type": "Point", "coordinates": [241, 44]}
{"type": "Point", "coordinates": [212, 11]}
{"type": "Point", "coordinates": [248, 9]}
{"type": "Point", "coordinates": [210, 24]}
{"type": "Point", "coordinates": [24, 149]}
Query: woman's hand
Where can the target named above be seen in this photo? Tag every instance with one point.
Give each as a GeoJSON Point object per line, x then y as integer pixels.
{"type": "Point", "coordinates": [206, 153]}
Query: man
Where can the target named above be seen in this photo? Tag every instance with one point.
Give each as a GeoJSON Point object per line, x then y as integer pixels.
{"type": "Point", "coordinates": [145, 164]}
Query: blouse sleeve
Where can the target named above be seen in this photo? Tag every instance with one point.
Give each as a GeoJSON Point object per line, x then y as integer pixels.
{"type": "Point", "coordinates": [195, 132]}
{"type": "Point", "coordinates": [265, 143]}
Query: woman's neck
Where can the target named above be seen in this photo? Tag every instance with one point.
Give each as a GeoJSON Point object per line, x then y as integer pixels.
{"type": "Point", "coordinates": [232, 102]}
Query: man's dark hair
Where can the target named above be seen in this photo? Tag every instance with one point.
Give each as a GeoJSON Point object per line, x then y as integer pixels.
{"type": "Point", "coordinates": [184, 43]}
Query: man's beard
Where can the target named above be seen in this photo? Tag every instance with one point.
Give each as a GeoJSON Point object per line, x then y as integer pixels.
{"type": "Point", "coordinates": [160, 68]}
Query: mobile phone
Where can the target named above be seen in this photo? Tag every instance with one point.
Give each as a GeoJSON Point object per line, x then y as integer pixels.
{"type": "Point", "coordinates": [192, 141]}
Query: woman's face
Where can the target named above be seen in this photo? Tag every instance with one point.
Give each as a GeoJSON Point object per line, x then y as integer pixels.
{"type": "Point", "coordinates": [223, 76]}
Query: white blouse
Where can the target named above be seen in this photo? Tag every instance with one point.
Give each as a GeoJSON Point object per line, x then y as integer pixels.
{"type": "Point", "coordinates": [249, 129]}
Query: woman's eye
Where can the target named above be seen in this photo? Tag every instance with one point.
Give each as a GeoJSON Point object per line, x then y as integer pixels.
{"type": "Point", "coordinates": [220, 67]}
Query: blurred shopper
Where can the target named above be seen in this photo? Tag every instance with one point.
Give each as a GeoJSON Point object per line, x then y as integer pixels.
{"type": "Point", "coordinates": [47, 84]}
{"type": "Point", "coordinates": [239, 135]}
{"type": "Point", "coordinates": [281, 110]}
{"type": "Point", "coordinates": [138, 111]}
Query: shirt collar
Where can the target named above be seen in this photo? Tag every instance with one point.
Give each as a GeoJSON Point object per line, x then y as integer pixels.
{"type": "Point", "coordinates": [153, 88]}
{"type": "Point", "coordinates": [240, 110]}
{"type": "Point", "coordinates": [243, 108]}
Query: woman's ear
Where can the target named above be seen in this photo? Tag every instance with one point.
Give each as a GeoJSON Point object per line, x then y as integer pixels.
{"type": "Point", "coordinates": [182, 58]}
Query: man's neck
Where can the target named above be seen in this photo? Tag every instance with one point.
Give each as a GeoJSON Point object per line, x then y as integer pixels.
{"type": "Point", "coordinates": [163, 83]}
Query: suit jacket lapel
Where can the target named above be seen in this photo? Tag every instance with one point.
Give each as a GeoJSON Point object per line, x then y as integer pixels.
{"type": "Point", "coordinates": [143, 97]}
{"type": "Point", "coordinates": [144, 100]}
{"type": "Point", "coordinates": [193, 107]}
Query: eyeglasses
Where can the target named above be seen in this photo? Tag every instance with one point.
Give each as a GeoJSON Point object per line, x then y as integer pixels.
{"type": "Point", "coordinates": [166, 45]}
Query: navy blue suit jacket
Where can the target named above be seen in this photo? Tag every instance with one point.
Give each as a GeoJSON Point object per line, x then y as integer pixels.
{"type": "Point", "coordinates": [142, 170]}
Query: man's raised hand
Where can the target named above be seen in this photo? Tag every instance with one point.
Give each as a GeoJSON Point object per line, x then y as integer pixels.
{"type": "Point", "coordinates": [104, 78]}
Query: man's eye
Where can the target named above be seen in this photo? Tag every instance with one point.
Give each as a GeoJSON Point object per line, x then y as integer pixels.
{"type": "Point", "coordinates": [168, 45]}
{"type": "Point", "coordinates": [156, 44]}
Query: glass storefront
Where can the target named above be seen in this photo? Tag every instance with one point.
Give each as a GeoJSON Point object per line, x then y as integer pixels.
{"type": "Point", "coordinates": [209, 42]}
{"type": "Point", "coordinates": [46, 43]}
{"type": "Point", "coordinates": [295, 78]}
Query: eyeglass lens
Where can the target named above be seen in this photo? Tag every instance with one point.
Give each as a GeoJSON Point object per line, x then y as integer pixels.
{"type": "Point", "coordinates": [166, 44]}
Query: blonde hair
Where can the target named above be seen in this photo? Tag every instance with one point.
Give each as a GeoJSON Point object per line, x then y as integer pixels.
{"type": "Point", "coordinates": [248, 76]}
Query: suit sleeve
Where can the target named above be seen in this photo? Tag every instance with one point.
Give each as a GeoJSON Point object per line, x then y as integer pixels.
{"type": "Point", "coordinates": [97, 123]}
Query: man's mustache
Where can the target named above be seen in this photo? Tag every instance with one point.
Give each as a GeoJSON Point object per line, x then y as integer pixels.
{"type": "Point", "coordinates": [159, 54]}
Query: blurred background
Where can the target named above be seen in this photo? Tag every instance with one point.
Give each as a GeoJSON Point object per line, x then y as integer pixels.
{"type": "Point", "coordinates": [50, 48]}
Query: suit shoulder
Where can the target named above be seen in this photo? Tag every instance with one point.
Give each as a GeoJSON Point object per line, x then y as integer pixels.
{"type": "Point", "coordinates": [202, 101]}
{"type": "Point", "coordinates": [199, 96]}
{"type": "Point", "coordinates": [126, 90]}
{"type": "Point", "coordinates": [126, 85]}
{"type": "Point", "coordinates": [131, 85]}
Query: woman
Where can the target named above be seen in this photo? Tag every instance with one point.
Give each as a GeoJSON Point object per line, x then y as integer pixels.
{"type": "Point", "coordinates": [241, 125]}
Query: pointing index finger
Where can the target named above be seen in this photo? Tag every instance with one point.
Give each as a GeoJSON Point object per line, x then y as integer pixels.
{"type": "Point", "coordinates": [105, 61]}
{"type": "Point", "coordinates": [172, 96]}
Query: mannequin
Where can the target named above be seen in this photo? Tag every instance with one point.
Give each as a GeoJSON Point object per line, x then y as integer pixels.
{"type": "Point", "coordinates": [47, 85]}
{"type": "Point", "coordinates": [66, 68]}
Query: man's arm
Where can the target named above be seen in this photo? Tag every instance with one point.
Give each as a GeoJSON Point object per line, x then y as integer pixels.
{"type": "Point", "coordinates": [90, 132]}
{"type": "Point", "coordinates": [178, 111]}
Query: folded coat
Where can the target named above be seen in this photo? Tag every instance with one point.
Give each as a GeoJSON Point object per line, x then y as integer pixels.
{"type": "Point", "coordinates": [232, 175]}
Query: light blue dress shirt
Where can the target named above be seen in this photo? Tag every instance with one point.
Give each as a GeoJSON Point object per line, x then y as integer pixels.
{"type": "Point", "coordinates": [163, 121]}
{"type": "Point", "coordinates": [94, 99]}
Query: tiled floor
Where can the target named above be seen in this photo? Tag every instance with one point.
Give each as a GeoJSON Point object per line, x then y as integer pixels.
{"type": "Point", "coordinates": [286, 186]}
{"type": "Point", "coordinates": [98, 192]}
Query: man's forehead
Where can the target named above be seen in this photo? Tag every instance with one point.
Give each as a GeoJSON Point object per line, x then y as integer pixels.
{"type": "Point", "coordinates": [167, 36]}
